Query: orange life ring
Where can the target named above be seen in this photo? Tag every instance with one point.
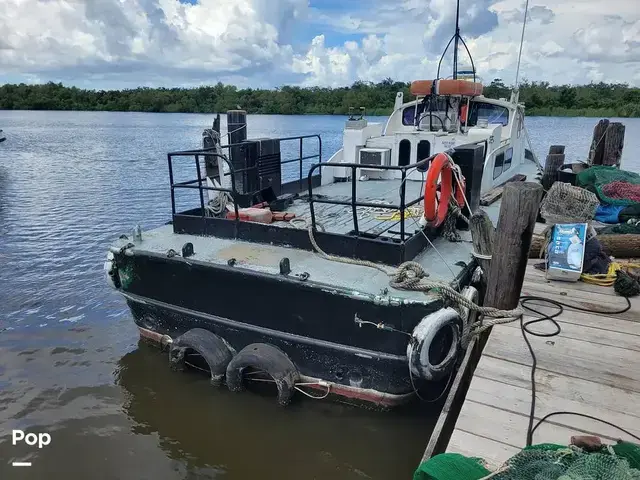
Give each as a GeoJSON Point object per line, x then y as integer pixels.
{"type": "Point", "coordinates": [435, 211]}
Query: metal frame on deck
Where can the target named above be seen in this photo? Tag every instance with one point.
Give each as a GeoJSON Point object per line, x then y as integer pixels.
{"type": "Point", "coordinates": [356, 244]}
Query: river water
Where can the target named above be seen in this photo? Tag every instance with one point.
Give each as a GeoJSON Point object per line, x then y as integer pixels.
{"type": "Point", "coordinates": [70, 362]}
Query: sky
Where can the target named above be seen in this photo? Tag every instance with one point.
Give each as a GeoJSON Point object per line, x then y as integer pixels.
{"type": "Point", "coordinates": [114, 44]}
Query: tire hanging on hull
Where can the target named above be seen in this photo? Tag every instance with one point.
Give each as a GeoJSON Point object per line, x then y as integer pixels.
{"type": "Point", "coordinates": [270, 360]}
{"type": "Point", "coordinates": [213, 349]}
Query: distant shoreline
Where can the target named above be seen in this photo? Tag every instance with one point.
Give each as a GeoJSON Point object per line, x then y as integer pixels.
{"type": "Point", "coordinates": [540, 99]}
{"type": "Point", "coordinates": [578, 113]}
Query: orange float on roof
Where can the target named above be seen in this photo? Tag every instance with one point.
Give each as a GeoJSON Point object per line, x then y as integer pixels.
{"type": "Point", "coordinates": [446, 87]}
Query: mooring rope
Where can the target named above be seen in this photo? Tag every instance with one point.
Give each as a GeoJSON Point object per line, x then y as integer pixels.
{"type": "Point", "coordinates": [411, 276]}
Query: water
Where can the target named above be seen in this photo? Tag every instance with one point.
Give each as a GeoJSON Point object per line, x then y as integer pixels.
{"type": "Point", "coordinates": [70, 363]}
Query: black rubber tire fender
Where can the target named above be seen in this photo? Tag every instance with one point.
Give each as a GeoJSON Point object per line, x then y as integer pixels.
{"type": "Point", "coordinates": [215, 351]}
{"type": "Point", "coordinates": [269, 359]}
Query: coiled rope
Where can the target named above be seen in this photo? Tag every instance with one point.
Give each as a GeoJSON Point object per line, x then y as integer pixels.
{"type": "Point", "coordinates": [411, 276]}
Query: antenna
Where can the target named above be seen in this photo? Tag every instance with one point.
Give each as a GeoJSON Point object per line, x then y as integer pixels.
{"type": "Point", "coordinates": [457, 37]}
{"type": "Point", "coordinates": [524, 24]}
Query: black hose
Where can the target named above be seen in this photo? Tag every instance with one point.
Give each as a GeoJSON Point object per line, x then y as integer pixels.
{"type": "Point", "coordinates": [524, 327]}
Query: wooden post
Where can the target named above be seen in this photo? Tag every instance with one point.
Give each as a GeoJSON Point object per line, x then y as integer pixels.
{"type": "Point", "coordinates": [613, 144]}
{"type": "Point", "coordinates": [596, 151]}
{"type": "Point", "coordinates": [482, 232]}
{"type": "Point", "coordinates": [511, 243]}
{"type": "Point", "coordinates": [555, 160]}
{"type": "Point", "coordinates": [556, 149]}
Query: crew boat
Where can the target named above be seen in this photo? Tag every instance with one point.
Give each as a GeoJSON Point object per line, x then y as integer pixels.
{"type": "Point", "coordinates": [305, 274]}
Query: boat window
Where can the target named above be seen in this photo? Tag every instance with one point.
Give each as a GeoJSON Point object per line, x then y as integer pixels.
{"type": "Point", "coordinates": [508, 155]}
{"type": "Point", "coordinates": [409, 113]}
{"type": "Point", "coordinates": [424, 150]}
{"type": "Point", "coordinates": [497, 166]}
{"type": "Point", "coordinates": [493, 113]}
{"type": "Point", "coordinates": [404, 153]}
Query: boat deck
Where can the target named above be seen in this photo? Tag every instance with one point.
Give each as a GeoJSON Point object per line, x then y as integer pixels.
{"type": "Point", "coordinates": [439, 262]}
{"type": "Point", "coordinates": [591, 367]}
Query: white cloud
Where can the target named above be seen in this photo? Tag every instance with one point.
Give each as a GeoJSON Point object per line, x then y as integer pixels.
{"type": "Point", "coordinates": [124, 43]}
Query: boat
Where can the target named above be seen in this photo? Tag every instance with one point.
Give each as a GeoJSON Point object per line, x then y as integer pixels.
{"type": "Point", "coordinates": [2, 137]}
{"type": "Point", "coordinates": [302, 273]}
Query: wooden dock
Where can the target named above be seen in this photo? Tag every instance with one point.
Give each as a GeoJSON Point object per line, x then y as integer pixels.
{"type": "Point", "coordinates": [591, 367]}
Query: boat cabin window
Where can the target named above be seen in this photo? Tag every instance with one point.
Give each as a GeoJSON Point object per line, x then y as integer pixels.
{"type": "Point", "coordinates": [404, 153]}
{"type": "Point", "coordinates": [498, 165]}
{"type": "Point", "coordinates": [424, 150]}
{"type": "Point", "coordinates": [493, 114]}
{"type": "Point", "coordinates": [409, 113]}
{"type": "Point", "coordinates": [508, 155]}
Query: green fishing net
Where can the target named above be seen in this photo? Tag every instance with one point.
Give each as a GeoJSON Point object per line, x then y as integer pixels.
{"type": "Point", "coordinates": [541, 462]}
{"type": "Point", "coordinates": [595, 178]}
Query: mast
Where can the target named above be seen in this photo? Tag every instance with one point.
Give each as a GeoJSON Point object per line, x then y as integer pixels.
{"type": "Point", "coordinates": [455, 44]}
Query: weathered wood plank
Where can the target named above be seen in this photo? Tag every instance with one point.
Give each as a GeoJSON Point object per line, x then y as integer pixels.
{"type": "Point", "coordinates": [569, 388]}
{"type": "Point", "coordinates": [518, 400]}
{"type": "Point", "coordinates": [595, 335]}
{"type": "Point", "coordinates": [508, 427]}
{"type": "Point", "coordinates": [492, 452]}
{"type": "Point", "coordinates": [599, 306]}
{"type": "Point", "coordinates": [616, 245]}
{"type": "Point", "coordinates": [612, 366]}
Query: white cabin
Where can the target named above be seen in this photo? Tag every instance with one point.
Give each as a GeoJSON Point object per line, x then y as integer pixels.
{"type": "Point", "coordinates": [436, 122]}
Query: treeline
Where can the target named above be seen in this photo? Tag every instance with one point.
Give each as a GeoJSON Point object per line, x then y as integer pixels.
{"type": "Point", "coordinates": [541, 98]}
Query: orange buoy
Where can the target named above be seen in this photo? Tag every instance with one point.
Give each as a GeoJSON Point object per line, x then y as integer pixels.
{"type": "Point", "coordinates": [435, 211]}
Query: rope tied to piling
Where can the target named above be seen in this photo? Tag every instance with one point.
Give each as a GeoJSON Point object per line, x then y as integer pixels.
{"type": "Point", "coordinates": [411, 276]}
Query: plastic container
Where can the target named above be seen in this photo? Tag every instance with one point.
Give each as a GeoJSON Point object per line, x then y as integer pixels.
{"type": "Point", "coordinates": [568, 172]}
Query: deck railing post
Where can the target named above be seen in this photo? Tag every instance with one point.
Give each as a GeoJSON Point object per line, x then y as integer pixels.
{"type": "Point", "coordinates": [200, 185]}
{"type": "Point", "coordinates": [173, 193]}
{"type": "Point", "coordinates": [402, 203]}
{"type": "Point", "coordinates": [353, 200]}
{"type": "Point", "coordinates": [300, 162]}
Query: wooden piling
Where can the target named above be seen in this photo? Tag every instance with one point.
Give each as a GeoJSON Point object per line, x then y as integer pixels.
{"type": "Point", "coordinates": [596, 151]}
{"type": "Point", "coordinates": [511, 243]}
{"type": "Point", "coordinates": [555, 160]}
{"type": "Point", "coordinates": [482, 232]}
{"type": "Point", "coordinates": [613, 144]}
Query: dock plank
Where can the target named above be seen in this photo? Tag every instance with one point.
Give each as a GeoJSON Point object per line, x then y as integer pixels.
{"type": "Point", "coordinates": [566, 388]}
{"type": "Point", "coordinates": [567, 356]}
{"type": "Point", "coordinates": [591, 367]}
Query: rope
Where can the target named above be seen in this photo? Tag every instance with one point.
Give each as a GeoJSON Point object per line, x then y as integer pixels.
{"type": "Point", "coordinates": [411, 276]}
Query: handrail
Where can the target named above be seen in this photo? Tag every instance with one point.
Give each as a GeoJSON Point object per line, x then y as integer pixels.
{"type": "Point", "coordinates": [232, 171]}
{"type": "Point", "coordinates": [354, 204]}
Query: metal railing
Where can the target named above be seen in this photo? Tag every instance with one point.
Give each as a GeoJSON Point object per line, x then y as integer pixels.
{"type": "Point", "coordinates": [233, 172]}
{"type": "Point", "coordinates": [354, 204]}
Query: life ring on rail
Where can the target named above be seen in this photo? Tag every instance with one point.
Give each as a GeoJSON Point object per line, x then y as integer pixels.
{"type": "Point", "coordinates": [270, 360]}
{"type": "Point", "coordinates": [436, 209]}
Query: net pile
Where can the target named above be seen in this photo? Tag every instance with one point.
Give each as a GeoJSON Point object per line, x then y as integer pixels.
{"type": "Point", "coordinates": [541, 462]}
{"type": "Point", "coordinates": [596, 178]}
{"type": "Point", "coordinates": [622, 190]}
{"type": "Point", "coordinates": [565, 203]}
